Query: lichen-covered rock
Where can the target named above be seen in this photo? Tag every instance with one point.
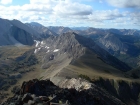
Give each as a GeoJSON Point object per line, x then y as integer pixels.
{"type": "Point", "coordinates": [78, 84]}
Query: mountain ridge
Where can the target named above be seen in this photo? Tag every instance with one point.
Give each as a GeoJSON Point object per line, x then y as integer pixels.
{"type": "Point", "coordinates": [67, 48]}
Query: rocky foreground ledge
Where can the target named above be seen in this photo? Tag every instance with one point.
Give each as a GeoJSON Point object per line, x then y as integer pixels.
{"type": "Point", "coordinates": [44, 92]}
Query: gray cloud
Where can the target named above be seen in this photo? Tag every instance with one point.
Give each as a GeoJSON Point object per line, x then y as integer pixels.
{"type": "Point", "coordinates": [135, 17]}
{"type": "Point", "coordinates": [37, 8]}
{"type": "Point", "coordinates": [103, 15]}
{"type": "Point", "coordinates": [125, 3]}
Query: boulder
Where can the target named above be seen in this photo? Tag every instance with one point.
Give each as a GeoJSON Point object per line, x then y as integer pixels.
{"type": "Point", "coordinates": [31, 102]}
{"type": "Point", "coordinates": [26, 98]}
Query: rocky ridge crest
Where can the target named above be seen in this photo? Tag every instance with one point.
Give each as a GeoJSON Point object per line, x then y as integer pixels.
{"type": "Point", "coordinates": [44, 92]}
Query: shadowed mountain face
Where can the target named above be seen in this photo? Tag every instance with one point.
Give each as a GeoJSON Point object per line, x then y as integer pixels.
{"type": "Point", "coordinates": [24, 27]}
{"type": "Point", "coordinates": [16, 33]}
{"type": "Point", "coordinates": [21, 36]}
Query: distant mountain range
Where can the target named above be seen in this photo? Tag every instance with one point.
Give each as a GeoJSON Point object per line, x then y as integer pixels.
{"type": "Point", "coordinates": [117, 42]}
{"type": "Point", "coordinates": [60, 29]}
{"type": "Point", "coordinates": [79, 28]}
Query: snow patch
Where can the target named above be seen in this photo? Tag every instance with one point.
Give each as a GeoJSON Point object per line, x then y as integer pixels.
{"type": "Point", "coordinates": [35, 51]}
{"type": "Point", "coordinates": [48, 51]}
{"type": "Point", "coordinates": [37, 43]}
{"type": "Point", "coordinates": [47, 47]}
{"type": "Point", "coordinates": [42, 42]}
{"type": "Point", "coordinates": [56, 50]}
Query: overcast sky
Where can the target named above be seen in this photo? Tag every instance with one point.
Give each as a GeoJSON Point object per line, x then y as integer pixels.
{"type": "Point", "coordinates": [91, 13]}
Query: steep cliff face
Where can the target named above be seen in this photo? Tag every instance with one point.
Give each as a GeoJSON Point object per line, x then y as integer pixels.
{"type": "Point", "coordinates": [21, 36]}
{"type": "Point", "coordinates": [127, 91]}
{"type": "Point", "coordinates": [16, 33]}
{"type": "Point", "coordinates": [112, 44]}
{"type": "Point", "coordinates": [5, 39]}
{"type": "Point", "coordinates": [26, 28]}
{"type": "Point", "coordinates": [16, 36]}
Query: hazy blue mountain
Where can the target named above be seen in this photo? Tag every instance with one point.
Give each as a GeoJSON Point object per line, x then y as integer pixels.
{"type": "Point", "coordinates": [79, 28]}
{"type": "Point", "coordinates": [60, 29]}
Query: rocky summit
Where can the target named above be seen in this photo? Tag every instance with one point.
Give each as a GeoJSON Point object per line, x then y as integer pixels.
{"type": "Point", "coordinates": [44, 92]}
